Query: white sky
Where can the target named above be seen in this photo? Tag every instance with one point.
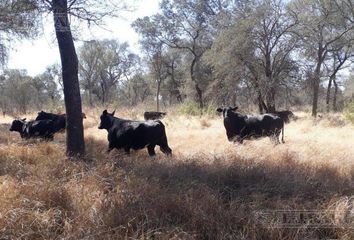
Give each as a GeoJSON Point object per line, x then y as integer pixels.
{"type": "Point", "coordinates": [35, 55]}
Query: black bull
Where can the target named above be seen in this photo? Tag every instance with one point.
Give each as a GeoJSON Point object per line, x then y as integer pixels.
{"type": "Point", "coordinates": [128, 134]}
{"type": "Point", "coordinates": [33, 129]}
{"type": "Point", "coordinates": [239, 127]}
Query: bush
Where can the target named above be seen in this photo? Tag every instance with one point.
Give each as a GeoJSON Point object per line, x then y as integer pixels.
{"type": "Point", "coordinates": [193, 109]}
{"type": "Point", "coordinates": [349, 112]}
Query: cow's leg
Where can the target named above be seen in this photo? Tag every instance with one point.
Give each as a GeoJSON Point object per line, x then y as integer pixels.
{"type": "Point", "coordinates": [166, 150]}
{"type": "Point", "coordinates": [151, 149]}
{"type": "Point", "coordinates": [272, 139]}
{"type": "Point", "coordinates": [50, 137]}
{"type": "Point", "coordinates": [275, 137]}
{"type": "Point", "coordinates": [164, 146]}
{"type": "Point", "coordinates": [110, 147]}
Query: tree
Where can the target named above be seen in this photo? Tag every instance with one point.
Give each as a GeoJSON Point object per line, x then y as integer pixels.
{"type": "Point", "coordinates": [175, 75]}
{"type": "Point", "coordinates": [258, 39]}
{"type": "Point", "coordinates": [104, 66]}
{"type": "Point", "coordinates": [92, 12]}
{"type": "Point", "coordinates": [89, 55]}
{"type": "Point", "coordinates": [20, 92]}
{"type": "Point", "coordinates": [137, 89]}
{"type": "Point", "coordinates": [337, 61]}
{"type": "Point", "coordinates": [321, 26]}
{"type": "Point", "coordinates": [183, 25]}
{"type": "Point", "coordinates": [18, 19]}
{"type": "Point", "coordinates": [75, 144]}
{"type": "Point", "coordinates": [46, 85]}
{"type": "Point", "coordinates": [159, 71]}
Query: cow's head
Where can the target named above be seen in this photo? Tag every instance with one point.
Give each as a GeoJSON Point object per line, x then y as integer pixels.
{"type": "Point", "coordinates": [106, 120]}
{"type": "Point", "coordinates": [227, 111]}
{"type": "Point", "coordinates": [17, 125]}
{"type": "Point", "coordinates": [291, 115]}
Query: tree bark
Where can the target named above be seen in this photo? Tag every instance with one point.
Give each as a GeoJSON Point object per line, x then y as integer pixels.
{"type": "Point", "coordinates": [90, 96]}
{"type": "Point", "coordinates": [200, 96]}
{"type": "Point", "coordinates": [335, 95]}
{"type": "Point", "coordinates": [234, 98]}
{"type": "Point", "coordinates": [75, 144]}
{"type": "Point", "coordinates": [316, 79]}
{"type": "Point", "coordinates": [270, 94]}
{"type": "Point", "coordinates": [315, 88]}
{"type": "Point", "coordinates": [158, 96]}
{"type": "Point", "coordinates": [196, 85]}
{"type": "Point", "coordinates": [328, 96]}
{"type": "Point", "coordinates": [261, 104]}
{"type": "Point", "coordinates": [271, 100]}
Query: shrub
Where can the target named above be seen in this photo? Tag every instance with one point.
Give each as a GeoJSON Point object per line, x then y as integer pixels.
{"type": "Point", "coordinates": [349, 112]}
{"type": "Point", "coordinates": [193, 109]}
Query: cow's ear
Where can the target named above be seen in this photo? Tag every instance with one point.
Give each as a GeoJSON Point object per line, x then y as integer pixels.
{"type": "Point", "coordinates": [234, 109]}
{"type": "Point", "coordinates": [219, 109]}
{"type": "Point", "coordinates": [113, 112]}
{"type": "Point", "coordinates": [24, 119]}
{"type": "Point", "coordinates": [105, 111]}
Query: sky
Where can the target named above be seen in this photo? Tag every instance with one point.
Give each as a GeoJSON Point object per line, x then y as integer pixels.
{"type": "Point", "coordinates": [35, 55]}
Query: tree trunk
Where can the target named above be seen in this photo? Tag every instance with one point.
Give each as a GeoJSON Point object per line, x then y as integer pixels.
{"type": "Point", "coordinates": [90, 96]}
{"type": "Point", "coordinates": [316, 88]}
{"type": "Point", "coordinates": [196, 85]}
{"type": "Point", "coordinates": [271, 101]}
{"type": "Point", "coordinates": [328, 96]}
{"type": "Point", "coordinates": [335, 95]}
{"type": "Point", "coordinates": [75, 144]}
{"type": "Point", "coordinates": [179, 97]}
{"type": "Point", "coordinates": [234, 98]}
{"type": "Point", "coordinates": [158, 96]}
{"type": "Point", "coordinates": [200, 96]}
{"type": "Point", "coordinates": [270, 94]}
{"type": "Point", "coordinates": [103, 89]}
{"type": "Point", "coordinates": [321, 54]}
{"type": "Point", "coordinates": [261, 104]}
{"type": "Point", "coordinates": [286, 98]}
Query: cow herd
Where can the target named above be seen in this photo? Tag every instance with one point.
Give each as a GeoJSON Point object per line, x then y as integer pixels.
{"type": "Point", "coordinates": [129, 134]}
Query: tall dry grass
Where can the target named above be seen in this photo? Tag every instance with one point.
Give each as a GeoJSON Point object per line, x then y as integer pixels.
{"type": "Point", "coordinates": [208, 189]}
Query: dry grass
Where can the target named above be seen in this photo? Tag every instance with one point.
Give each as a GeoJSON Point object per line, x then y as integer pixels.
{"type": "Point", "coordinates": [209, 189]}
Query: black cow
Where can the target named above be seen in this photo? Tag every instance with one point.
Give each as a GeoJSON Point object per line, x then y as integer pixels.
{"type": "Point", "coordinates": [286, 115]}
{"type": "Point", "coordinates": [127, 134]}
{"type": "Point", "coordinates": [33, 129]}
{"type": "Point", "coordinates": [239, 127]}
{"type": "Point", "coordinates": [58, 119]}
{"type": "Point", "coordinates": [154, 115]}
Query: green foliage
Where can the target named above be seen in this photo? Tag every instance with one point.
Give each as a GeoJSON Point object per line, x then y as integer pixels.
{"type": "Point", "coordinates": [189, 108]}
{"type": "Point", "coordinates": [105, 67]}
{"type": "Point", "coordinates": [192, 108]}
{"type": "Point", "coordinates": [18, 19]}
{"type": "Point", "coordinates": [20, 92]}
{"type": "Point", "coordinates": [349, 111]}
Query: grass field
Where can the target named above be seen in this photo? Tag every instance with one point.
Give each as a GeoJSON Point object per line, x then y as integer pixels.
{"type": "Point", "coordinates": [208, 189]}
